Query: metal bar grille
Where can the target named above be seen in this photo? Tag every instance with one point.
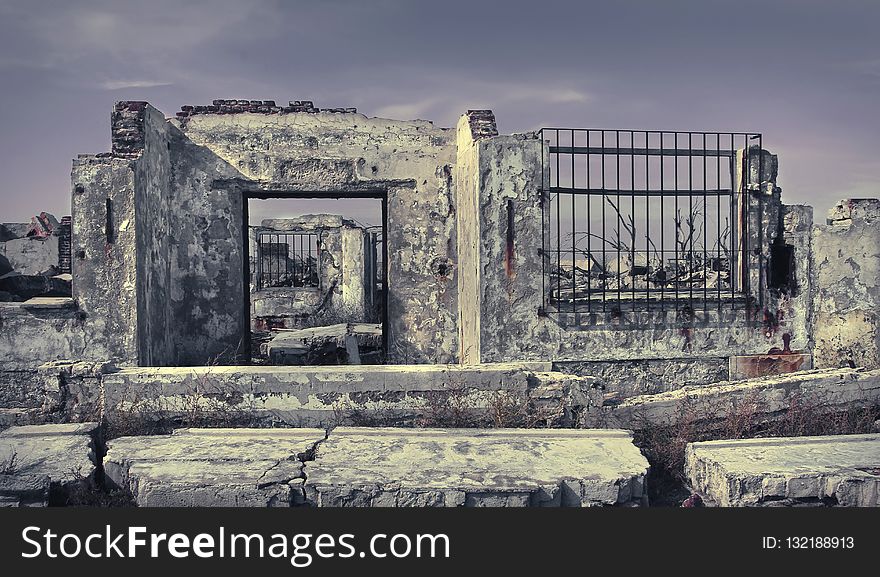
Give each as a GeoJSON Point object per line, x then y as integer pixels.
{"type": "Point", "coordinates": [645, 220]}
{"type": "Point", "coordinates": [287, 259]}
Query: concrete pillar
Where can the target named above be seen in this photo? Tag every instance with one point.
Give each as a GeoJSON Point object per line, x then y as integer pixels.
{"type": "Point", "coordinates": [467, 224]}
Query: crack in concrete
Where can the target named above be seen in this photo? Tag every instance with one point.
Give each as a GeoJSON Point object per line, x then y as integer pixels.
{"type": "Point", "coordinates": [310, 455]}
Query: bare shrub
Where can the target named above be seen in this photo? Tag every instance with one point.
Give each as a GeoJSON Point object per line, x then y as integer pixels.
{"type": "Point", "coordinates": [9, 464]}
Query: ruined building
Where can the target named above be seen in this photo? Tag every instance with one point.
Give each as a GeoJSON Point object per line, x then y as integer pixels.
{"type": "Point", "coordinates": [623, 262]}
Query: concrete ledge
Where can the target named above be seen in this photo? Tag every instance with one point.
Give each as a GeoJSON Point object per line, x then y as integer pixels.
{"type": "Point", "coordinates": [381, 467]}
{"type": "Point", "coordinates": [768, 398]}
{"type": "Point", "coordinates": [212, 467]}
{"type": "Point", "coordinates": [839, 470]}
{"type": "Point", "coordinates": [329, 396]}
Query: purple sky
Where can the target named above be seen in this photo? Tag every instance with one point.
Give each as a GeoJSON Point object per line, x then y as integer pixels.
{"type": "Point", "coordinates": [805, 73]}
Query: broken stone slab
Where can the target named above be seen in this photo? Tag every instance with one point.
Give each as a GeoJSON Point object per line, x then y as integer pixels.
{"type": "Point", "coordinates": [842, 470]}
{"type": "Point", "coordinates": [768, 399]}
{"type": "Point", "coordinates": [47, 303]}
{"type": "Point", "coordinates": [387, 467]}
{"type": "Point", "coordinates": [64, 453]}
{"type": "Point", "coordinates": [33, 255]}
{"type": "Point", "coordinates": [212, 467]}
{"type": "Point", "coordinates": [312, 345]}
{"type": "Point", "coordinates": [29, 286]}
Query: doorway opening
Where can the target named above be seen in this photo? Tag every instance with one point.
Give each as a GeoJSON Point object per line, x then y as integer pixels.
{"type": "Point", "coordinates": [316, 278]}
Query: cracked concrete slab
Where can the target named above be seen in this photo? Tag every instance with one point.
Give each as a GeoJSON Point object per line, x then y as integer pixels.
{"type": "Point", "coordinates": [212, 467]}
{"type": "Point", "coordinates": [834, 390]}
{"type": "Point", "coordinates": [476, 467]}
{"type": "Point", "coordinates": [839, 470]}
{"type": "Point", "coordinates": [35, 458]}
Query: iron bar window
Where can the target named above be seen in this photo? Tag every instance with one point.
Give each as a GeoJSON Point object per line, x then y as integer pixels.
{"type": "Point", "coordinates": [645, 220]}
{"type": "Point", "coordinates": [287, 259]}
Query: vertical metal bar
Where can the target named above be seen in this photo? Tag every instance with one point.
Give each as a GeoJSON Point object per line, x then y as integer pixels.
{"type": "Point", "coordinates": [734, 228]}
{"type": "Point", "coordinates": [573, 236]}
{"type": "Point", "coordinates": [761, 267]}
{"type": "Point", "coordinates": [617, 227]}
{"type": "Point", "coordinates": [544, 228]}
{"type": "Point", "coordinates": [604, 237]}
{"type": "Point", "coordinates": [662, 228]}
{"type": "Point", "coordinates": [647, 223]}
{"type": "Point", "coordinates": [558, 234]}
{"type": "Point", "coordinates": [632, 197]}
{"type": "Point", "coordinates": [705, 229]}
{"type": "Point", "coordinates": [589, 199]}
{"type": "Point", "coordinates": [718, 213]}
{"type": "Point", "coordinates": [693, 220]}
{"type": "Point", "coordinates": [746, 224]}
{"type": "Point", "coordinates": [677, 223]}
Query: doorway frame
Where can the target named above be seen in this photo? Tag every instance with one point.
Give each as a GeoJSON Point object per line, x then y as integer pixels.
{"type": "Point", "coordinates": [380, 194]}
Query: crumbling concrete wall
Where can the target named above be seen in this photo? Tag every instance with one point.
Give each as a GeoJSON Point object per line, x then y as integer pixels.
{"type": "Point", "coordinates": [627, 378]}
{"type": "Point", "coordinates": [340, 294]}
{"type": "Point", "coordinates": [308, 152]}
{"type": "Point", "coordinates": [207, 266]}
{"type": "Point", "coordinates": [121, 240]}
{"type": "Point", "coordinates": [153, 208]}
{"type": "Point", "coordinates": [105, 255]}
{"type": "Point", "coordinates": [513, 327]}
{"type": "Point", "coordinates": [846, 283]}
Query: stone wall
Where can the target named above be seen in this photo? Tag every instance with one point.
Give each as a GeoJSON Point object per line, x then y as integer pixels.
{"type": "Point", "coordinates": [846, 285]}
{"type": "Point", "coordinates": [513, 326]}
{"type": "Point", "coordinates": [220, 157]}
{"type": "Point", "coordinates": [154, 236]}
{"type": "Point", "coordinates": [32, 335]}
{"type": "Point", "coordinates": [105, 255]}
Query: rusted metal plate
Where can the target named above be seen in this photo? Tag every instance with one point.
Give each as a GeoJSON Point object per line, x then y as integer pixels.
{"type": "Point", "coordinates": [752, 366]}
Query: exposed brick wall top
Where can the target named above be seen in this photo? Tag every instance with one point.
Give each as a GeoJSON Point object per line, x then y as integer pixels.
{"type": "Point", "coordinates": [482, 123]}
{"type": "Point", "coordinates": [127, 128]}
{"type": "Point", "coordinates": [256, 106]}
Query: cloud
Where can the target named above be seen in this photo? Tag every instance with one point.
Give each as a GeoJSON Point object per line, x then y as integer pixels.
{"type": "Point", "coordinates": [407, 110]}
{"type": "Point", "coordinates": [120, 84]}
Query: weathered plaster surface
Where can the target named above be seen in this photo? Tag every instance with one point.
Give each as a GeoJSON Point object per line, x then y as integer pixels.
{"type": "Point", "coordinates": [846, 281]}
{"type": "Point", "coordinates": [213, 467]}
{"type": "Point", "coordinates": [105, 268]}
{"type": "Point", "coordinates": [629, 378]}
{"type": "Point", "coordinates": [153, 210]}
{"type": "Point", "coordinates": [300, 153]}
{"type": "Point", "coordinates": [510, 275]}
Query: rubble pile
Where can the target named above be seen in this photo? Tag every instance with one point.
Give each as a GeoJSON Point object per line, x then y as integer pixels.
{"type": "Point", "coordinates": [31, 259]}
